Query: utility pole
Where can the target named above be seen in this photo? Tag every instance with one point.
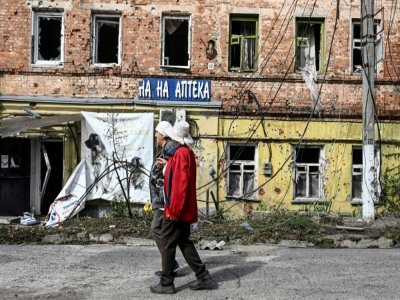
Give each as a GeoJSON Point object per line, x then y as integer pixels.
{"type": "Point", "coordinates": [368, 55]}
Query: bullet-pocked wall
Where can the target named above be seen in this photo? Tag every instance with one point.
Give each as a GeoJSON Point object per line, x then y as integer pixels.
{"type": "Point", "coordinates": [313, 165]}
{"type": "Point", "coordinates": [259, 107]}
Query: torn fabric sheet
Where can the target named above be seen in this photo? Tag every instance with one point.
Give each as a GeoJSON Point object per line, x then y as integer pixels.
{"type": "Point", "coordinates": [309, 79]}
{"type": "Point", "coordinates": [70, 200]}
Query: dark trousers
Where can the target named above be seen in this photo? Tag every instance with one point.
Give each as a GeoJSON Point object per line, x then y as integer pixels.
{"type": "Point", "coordinates": [156, 225]}
{"type": "Point", "coordinates": [178, 234]}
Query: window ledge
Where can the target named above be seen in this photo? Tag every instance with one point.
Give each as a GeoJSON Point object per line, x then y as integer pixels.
{"type": "Point", "coordinates": [356, 201]}
{"type": "Point", "coordinates": [58, 64]}
{"type": "Point", "coordinates": [112, 65]}
{"type": "Point", "coordinates": [176, 68]}
{"type": "Point", "coordinates": [238, 198]}
{"type": "Point", "coordinates": [309, 201]}
{"type": "Point", "coordinates": [359, 202]}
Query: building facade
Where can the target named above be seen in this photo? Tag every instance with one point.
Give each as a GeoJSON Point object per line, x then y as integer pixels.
{"type": "Point", "coordinates": [244, 74]}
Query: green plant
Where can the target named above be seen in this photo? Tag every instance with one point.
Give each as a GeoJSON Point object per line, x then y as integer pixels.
{"type": "Point", "coordinates": [390, 194]}
{"type": "Point", "coordinates": [118, 208]}
{"type": "Point", "coordinates": [357, 212]}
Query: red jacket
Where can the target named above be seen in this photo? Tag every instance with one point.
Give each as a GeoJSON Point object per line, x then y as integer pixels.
{"type": "Point", "coordinates": [180, 186]}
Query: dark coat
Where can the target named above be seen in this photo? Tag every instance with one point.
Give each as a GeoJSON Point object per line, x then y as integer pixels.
{"type": "Point", "coordinates": [157, 177]}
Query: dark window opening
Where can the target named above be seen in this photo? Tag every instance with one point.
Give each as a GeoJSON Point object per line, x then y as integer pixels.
{"type": "Point", "coordinates": [49, 38]}
{"type": "Point", "coordinates": [176, 42]}
{"type": "Point", "coordinates": [243, 43]}
{"type": "Point", "coordinates": [357, 156]}
{"type": "Point", "coordinates": [309, 46]}
{"type": "Point", "coordinates": [241, 152]}
{"type": "Point", "coordinates": [307, 177]}
{"type": "Point", "coordinates": [307, 155]}
{"type": "Point", "coordinates": [356, 46]}
{"type": "Point", "coordinates": [107, 40]}
{"type": "Point", "coordinates": [356, 173]}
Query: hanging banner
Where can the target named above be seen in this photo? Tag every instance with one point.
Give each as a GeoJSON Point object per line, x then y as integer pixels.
{"type": "Point", "coordinates": [117, 154]}
{"type": "Point", "coordinates": [118, 149]}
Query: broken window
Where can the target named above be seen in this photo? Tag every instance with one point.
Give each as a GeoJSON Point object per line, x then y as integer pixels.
{"type": "Point", "coordinates": [241, 170]}
{"type": "Point", "coordinates": [47, 38]}
{"type": "Point", "coordinates": [356, 52]}
{"type": "Point", "coordinates": [356, 173]}
{"type": "Point", "coordinates": [243, 43]}
{"type": "Point", "coordinates": [308, 173]}
{"type": "Point", "coordinates": [310, 45]}
{"type": "Point", "coordinates": [106, 39]}
{"type": "Point", "coordinates": [176, 41]}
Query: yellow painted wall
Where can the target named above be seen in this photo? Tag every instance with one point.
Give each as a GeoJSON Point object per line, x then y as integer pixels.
{"type": "Point", "coordinates": [337, 139]}
{"type": "Point", "coordinates": [274, 138]}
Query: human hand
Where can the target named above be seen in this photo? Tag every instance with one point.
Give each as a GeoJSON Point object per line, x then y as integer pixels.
{"type": "Point", "coordinates": [161, 162]}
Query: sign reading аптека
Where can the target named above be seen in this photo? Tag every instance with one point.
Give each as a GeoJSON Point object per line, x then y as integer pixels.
{"type": "Point", "coordinates": [175, 89]}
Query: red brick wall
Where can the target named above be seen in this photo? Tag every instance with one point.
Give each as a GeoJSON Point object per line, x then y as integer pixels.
{"type": "Point", "coordinates": [141, 20]}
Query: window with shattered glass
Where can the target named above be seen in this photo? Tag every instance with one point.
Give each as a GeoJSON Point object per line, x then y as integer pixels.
{"type": "Point", "coordinates": [106, 39]}
{"type": "Point", "coordinates": [243, 43]}
{"type": "Point", "coordinates": [47, 38]}
{"type": "Point", "coordinates": [175, 41]}
{"type": "Point", "coordinates": [307, 173]}
{"type": "Point", "coordinates": [356, 173]}
{"type": "Point", "coordinates": [356, 49]}
{"type": "Point", "coordinates": [241, 170]}
{"type": "Point", "coordinates": [310, 45]}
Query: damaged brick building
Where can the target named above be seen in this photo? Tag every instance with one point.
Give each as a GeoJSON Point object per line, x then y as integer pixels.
{"type": "Point", "coordinates": [235, 70]}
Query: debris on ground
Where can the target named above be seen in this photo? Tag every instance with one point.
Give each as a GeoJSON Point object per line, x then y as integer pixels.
{"type": "Point", "coordinates": [323, 231]}
{"type": "Point", "coordinates": [212, 245]}
{"type": "Point", "coordinates": [28, 219]}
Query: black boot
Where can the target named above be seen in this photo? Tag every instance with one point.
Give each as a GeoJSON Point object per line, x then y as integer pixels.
{"type": "Point", "coordinates": [204, 282]}
{"type": "Point", "coordinates": [163, 289]}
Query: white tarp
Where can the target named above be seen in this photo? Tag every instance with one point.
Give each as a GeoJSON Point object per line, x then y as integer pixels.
{"type": "Point", "coordinates": [112, 146]}
{"type": "Point", "coordinates": [67, 203]}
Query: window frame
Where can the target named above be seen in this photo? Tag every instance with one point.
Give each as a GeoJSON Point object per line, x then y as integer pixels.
{"type": "Point", "coordinates": [246, 18]}
{"type": "Point", "coordinates": [356, 169]}
{"type": "Point", "coordinates": [355, 201]}
{"type": "Point", "coordinates": [321, 22]}
{"type": "Point", "coordinates": [307, 199]}
{"type": "Point", "coordinates": [241, 164]}
{"type": "Point", "coordinates": [187, 17]}
{"type": "Point", "coordinates": [378, 44]}
{"type": "Point", "coordinates": [94, 41]}
{"type": "Point", "coordinates": [35, 61]}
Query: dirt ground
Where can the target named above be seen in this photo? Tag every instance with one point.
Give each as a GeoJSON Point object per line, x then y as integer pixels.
{"type": "Point", "coordinates": [315, 230]}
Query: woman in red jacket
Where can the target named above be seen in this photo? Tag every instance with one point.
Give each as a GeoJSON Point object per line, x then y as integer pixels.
{"type": "Point", "coordinates": [180, 210]}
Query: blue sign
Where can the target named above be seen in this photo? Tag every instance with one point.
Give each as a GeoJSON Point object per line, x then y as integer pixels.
{"type": "Point", "coordinates": [175, 89]}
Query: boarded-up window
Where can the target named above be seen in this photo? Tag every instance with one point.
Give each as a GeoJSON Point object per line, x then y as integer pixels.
{"type": "Point", "coordinates": [47, 38]}
{"type": "Point", "coordinates": [176, 41]}
{"type": "Point", "coordinates": [241, 170]}
{"type": "Point", "coordinates": [106, 39]}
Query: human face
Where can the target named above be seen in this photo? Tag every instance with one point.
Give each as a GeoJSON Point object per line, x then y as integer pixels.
{"type": "Point", "coordinates": [159, 138]}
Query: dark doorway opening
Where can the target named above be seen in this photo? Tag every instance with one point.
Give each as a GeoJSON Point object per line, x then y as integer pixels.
{"type": "Point", "coordinates": [14, 176]}
{"type": "Point", "coordinates": [54, 151]}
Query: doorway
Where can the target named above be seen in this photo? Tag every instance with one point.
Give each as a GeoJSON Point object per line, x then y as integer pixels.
{"type": "Point", "coordinates": [14, 176]}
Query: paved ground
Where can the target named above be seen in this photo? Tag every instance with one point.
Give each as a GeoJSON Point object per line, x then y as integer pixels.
{"type": "Point", "coordinates": [115, 272]}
